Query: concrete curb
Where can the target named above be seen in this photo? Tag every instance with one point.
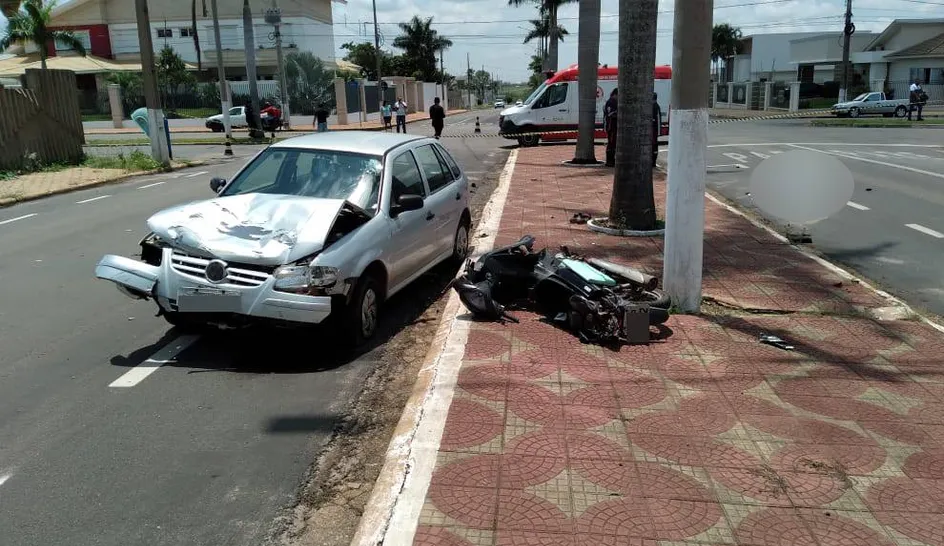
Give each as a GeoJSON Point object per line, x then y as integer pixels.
{"type": "Point", "coordinates": [4, 203]}
{"type": "Point", "coordinates": [392, 512]}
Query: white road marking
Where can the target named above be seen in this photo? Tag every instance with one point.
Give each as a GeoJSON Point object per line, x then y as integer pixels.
{"type": "Point", "coordinates": [167, 354]}
{"type": "Point", "coordinates": [926, 231]}
{"type": "Point", "coordinates": [893, 261]}
{"type": "Point", "coordinates": [151, 185]}
{"type": "Point", "coordinates": [738, 158]}
{"type": "Point", "coordinates": [760, 155]}
{"type": "Point", "coordinates": [840, 152]}
{"type": "Point", "coordinates": [847, 155]}
{"type": "Point", "coordinates": [18, 218]}
{"type": "Point", "coordinates": [4, 478]}
{"type": "Point", "coordinates": [196, 174]}
{"type": "Point", "coordinates": [937, 147]}
{"type": "Point", "coordinates": [857, 206]}
{"type": "Point", "coordinates": [912, 155]}
{"type": "Point", "coordinates": [92, 199]}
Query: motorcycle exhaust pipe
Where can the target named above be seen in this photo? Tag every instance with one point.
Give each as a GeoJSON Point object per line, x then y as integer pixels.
{"type": "Point", "coordinates": [634, 276]}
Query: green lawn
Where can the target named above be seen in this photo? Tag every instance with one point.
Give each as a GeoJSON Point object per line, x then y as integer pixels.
{"type": "Point", "coordinates": [817, 104]}
{"type": "Point", "coordinates": [874, 122]}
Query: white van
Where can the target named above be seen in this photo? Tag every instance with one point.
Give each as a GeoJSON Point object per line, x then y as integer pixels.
{"type": "Point", "coordinates": [554, 106]}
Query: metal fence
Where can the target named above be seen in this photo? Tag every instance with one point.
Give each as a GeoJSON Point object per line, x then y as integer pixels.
{"type": "Point", "coordinates": [721, 92]}
{"type": "Point", "coordinates": [901, 90]}
{"type": "Point", "coordinates": [739, 90]}
{"type": "Point", "coordinates": [780, 95]}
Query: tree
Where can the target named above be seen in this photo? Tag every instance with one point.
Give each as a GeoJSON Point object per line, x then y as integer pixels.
{"type": "Point", "coordinates": [548, 9]}
{"type": "Point", "coordinates": [541, 29]}
{"type": "Point", "coordinates": [725, 43]}
{"type": "Point", "coordinates": [632, 204]}
{"type": "Point", "coordinates": [309, 83]}
{"type": "Point", "coordinates": [172, 74]}
{"type": "Point", "coordinates": [421, 43]}
{"type": "Point", "coordinates": [30, 25]}
{"type": "Point", "coordinates": [588, 58]}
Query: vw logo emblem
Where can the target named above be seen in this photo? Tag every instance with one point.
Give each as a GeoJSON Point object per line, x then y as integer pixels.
{"type": "Point", "coordinates": [216, 271]}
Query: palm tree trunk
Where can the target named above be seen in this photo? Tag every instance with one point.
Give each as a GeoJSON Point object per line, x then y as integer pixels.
{"type": "Point", "coordinates": [588, 55]}
{"type": "Point", "coordinates": [42, 56]}
{"type": "Point", "coordinates": [632, 204]}
{"type": "Point", "coordinates": [551, 63]}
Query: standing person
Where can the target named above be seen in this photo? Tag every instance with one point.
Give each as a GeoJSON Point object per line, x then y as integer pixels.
{"type": "Point", "coordinates": [387, 114]}
{"type": "Point", "coordinates": [609, 125]}
{"type": "Point", "coordinates": [438, 116]}
{"type": "Point", "coordinates": [917, 97]}
{"type": "Point", "coordinates": [656, 127]}
{"type": "Point", "coordinates": [321, 118]}
{"type": "Point", "coordinates": [400, 108]}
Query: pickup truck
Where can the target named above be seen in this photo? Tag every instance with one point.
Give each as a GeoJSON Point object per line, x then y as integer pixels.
{"type": "Point", "coordinates": [872, 103]}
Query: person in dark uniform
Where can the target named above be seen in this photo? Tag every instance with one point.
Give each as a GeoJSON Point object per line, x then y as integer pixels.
{"type": "Point", "coordinates": [437, 116]}
{"type": "Point", "coordinates": [656, 127]}
{"type": "Point", "coordinates": [609, 125]}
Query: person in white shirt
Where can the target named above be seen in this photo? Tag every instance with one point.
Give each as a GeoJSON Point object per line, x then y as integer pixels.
{"type": "Point", "coordinates": [400, 108]}
{"type": "Point", "coordinates": [917, 98]}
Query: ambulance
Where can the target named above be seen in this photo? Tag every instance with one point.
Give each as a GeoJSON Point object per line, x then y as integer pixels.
{"type": "Point", "coordinates": [554, 106]}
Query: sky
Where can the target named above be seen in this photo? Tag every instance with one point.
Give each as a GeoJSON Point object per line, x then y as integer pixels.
{"type": "Point", "coordinates": [491, 32]}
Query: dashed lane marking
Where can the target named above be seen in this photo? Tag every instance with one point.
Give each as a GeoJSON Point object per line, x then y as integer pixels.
{"type": "Point", "coordinates": [857, 206]}
{"type": "Point", "coordinates": [196, 174]}
{"type": "Point", "coordinates": [926, 231]}
{"type": "Point", "coordinates": [17, 219]}
{"type": "Point", "coordinates": [166, 354]}
{"type": "Point", "coordinates": [152, 185]}
{"type": "Point", "coordinates": [100, 197]}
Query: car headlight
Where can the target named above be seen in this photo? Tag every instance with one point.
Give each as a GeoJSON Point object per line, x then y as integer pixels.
{"type": "Point", "coordinates": [303, 279]}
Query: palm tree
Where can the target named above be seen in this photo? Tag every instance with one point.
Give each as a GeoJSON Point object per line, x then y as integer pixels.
{"type": "Point", "coordinates": [725, 43]}
{"type": "Point", "coordinates": [632, 204]}
{"type": "Point", "coordinates": [541, 29]}
{"type": "Point", "coordinates": [30, 25]}
{"type": "Point", "coordinates": [308, 82]}
{"type": "Point", "coordinates": [588, 57]}
{"type": "Point", "coordinates": [548, 9]}
{"type": "Point", "coordinates": [421, 43]}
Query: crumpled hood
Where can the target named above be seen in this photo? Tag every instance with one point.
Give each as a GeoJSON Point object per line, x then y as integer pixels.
{"type": "Point", "coordinates": [843, 104]}
{"type": "Point", "coordinates": [255, 228]}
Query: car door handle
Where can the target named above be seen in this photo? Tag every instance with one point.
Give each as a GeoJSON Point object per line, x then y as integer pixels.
{"type": "Point", "coordinates": [430, 215]}
{"type": "Point", "coordinates": [562, 110]}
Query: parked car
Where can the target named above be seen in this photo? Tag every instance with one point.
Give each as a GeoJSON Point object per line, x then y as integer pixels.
{"type": "Point", "coordinates": [872, 103]}
{"type": "Point", "coordinates": [317, 227]}
{"type": "Point", "coordinates": [237, 118]}
{"type": "Point", "coordinates": [500, 103]}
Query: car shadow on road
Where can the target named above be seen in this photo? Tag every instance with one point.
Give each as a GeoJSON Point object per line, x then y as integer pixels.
{"type": "Point", "coordinates": [269, 350]}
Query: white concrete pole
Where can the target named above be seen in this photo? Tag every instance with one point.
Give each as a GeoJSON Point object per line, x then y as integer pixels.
{"type": "Point", "coordinates": [224, 87]}
{"type": "Point", "coordinates": [688, 141]}
{"type": "Point", "coordinates": [159, 146]}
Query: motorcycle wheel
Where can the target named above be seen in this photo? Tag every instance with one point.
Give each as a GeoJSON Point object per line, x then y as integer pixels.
{"type": "Point", "coordinates": [656, 299]}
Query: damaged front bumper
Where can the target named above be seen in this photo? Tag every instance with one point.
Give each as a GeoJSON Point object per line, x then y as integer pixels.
{"type": "Point", "coordinates": [179, 285]}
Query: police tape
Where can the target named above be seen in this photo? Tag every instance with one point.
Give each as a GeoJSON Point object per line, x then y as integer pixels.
{"type": "Point", "coordinates": [854, 113]}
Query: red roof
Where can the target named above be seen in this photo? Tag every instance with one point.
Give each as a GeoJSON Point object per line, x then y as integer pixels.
{"type": "Point", "coordinates": [662, 72]}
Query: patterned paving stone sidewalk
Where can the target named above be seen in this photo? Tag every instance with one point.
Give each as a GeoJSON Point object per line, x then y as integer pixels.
{"type": "Point", "coordinates": [707, 437]}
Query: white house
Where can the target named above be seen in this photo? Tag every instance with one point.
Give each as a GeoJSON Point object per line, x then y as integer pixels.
{"type": "Point", "coordinates": [906, 51]}
{"type": "Point", "coordinates": [767, 57]}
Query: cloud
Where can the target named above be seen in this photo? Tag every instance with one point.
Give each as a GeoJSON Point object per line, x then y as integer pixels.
{"type": "Point", "coordinates": [491, 32]}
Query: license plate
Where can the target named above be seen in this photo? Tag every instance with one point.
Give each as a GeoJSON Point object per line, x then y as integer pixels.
{"type": "Point", "coordinates": [208, 300]}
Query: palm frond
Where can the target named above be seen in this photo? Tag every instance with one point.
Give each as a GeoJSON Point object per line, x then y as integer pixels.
{"type": "Point", "coordinates": [68, 38]}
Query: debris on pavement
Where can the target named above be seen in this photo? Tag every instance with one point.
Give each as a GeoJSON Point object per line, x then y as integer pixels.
{"type": "Point", "coordinates": [580, 218]}
{"type": "Point", "coordinates": [776, 342]}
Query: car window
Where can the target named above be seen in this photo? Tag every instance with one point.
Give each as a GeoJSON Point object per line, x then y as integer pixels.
{"type": "Point", "coordinates": [556, 94]}
{"type": "Point", "coordinates": [406, 177]}
{"type": "Point", "coordinates": [456, 172]}
{"type": "Point", "coordinates": [235, 111]}
{"type": "Point", "coordinates": [437, 173]}
{"type": "Point", "coordinates": [261, 174]}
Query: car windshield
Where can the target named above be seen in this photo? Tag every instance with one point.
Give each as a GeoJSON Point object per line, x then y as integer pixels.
{"type": "Point", "coordinates": [312, 173]}
{"type": "Point", "coordinates": [537, 93]}
{"type": "Point", "coordinates": [861, 97]}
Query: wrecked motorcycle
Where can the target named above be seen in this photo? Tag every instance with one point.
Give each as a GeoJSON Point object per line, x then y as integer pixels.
{"type": "Point", "coordinates": [591, 297]}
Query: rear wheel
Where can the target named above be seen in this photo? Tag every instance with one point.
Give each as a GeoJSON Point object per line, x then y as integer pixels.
{"type": "Point", "coordinates": [656, 298]}
{"type": "Point", "coordinates": [460, 245]}
{"type": "Point", "coordinates": [901, 111]}
{"type": "Point", "coordinates": [528, 141]}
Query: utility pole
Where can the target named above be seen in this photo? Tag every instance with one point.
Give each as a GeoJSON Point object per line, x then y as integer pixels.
{"type": "Point", "coordinates": [380, 89]}
{"type": "Point", "coordinates": [468, 78]}
{"type": "Point", "coordinates": [159, 146]}
{"type": "Point", "coordinates": [273, 16]}
{"type": "Point", "coordinates": [688, 148]}
{"type": "Point", "coordinates": [847, 31]}
{"type": "Point", "coordinates": [442, 76]}
{"type": "Point", "coordinates": [250, 47]}
{"type": "Point", "coordinates": [224, 86]}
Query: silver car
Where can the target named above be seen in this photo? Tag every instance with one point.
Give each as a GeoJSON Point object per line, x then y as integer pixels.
{"type": "Point", "coordinates": [317, 227]}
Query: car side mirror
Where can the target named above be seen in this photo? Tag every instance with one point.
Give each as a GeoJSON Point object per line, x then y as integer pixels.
{"type": "Point", "coordinates": [406, 203]}
{"type": "Point", "coordinates": [217, 183]}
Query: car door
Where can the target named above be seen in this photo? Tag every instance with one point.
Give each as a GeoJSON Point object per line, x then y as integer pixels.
{"type": "Point", "coordinates": [442, 198]}
{"type": "Point", "coordinates": [554, 109]}
{"type": "Point", "coordinates": [411, 231]}
{"type": "Point", "coordinates": [237, 116]}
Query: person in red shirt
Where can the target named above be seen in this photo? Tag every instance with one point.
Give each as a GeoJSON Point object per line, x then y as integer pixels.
{"type": "Point", "coordinates": [271, 110]}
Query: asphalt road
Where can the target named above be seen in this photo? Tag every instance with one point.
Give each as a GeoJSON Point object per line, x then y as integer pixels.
{"type": "Point", "coordinates": [209, 448]}
{"type": "Point", "coordinates": [892, 231]}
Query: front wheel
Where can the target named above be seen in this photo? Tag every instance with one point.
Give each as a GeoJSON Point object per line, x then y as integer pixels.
{"type": "Point", "coordinates": [853, 112]}
{"type": "Point", "coordinates": [362, 315]}
{"type": "Point", "coordinates": [901, 111]}
{"type": "Point", "coordinates": [528, 141]}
